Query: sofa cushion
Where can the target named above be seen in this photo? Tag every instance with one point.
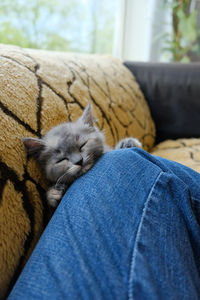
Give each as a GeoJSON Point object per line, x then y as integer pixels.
{"type": "Point", "coordinates": [38, 90]}
{"type": "Point", "coordinates": [184, 151]}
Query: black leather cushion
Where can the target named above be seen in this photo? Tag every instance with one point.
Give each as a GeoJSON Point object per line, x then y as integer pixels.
{"type": "Point", "coordinates": [173, 94]}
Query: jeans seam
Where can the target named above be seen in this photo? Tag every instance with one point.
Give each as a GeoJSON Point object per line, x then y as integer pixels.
{"type": "Point", "coordinates": [133, 257]}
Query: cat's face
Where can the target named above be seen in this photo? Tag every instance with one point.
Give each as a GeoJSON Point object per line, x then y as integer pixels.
{"type": "Point", "coordinates": [68, 150]}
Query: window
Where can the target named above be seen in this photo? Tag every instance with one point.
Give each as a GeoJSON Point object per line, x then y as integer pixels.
{"type": "Point", "coordinates": [142, 30]}
{"type": "Point", "coordinates": [69, 25]}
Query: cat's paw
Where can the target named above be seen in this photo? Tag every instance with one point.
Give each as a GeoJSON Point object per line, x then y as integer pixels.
{"type": "Point", "coordinates": [54, 196]}
{"type": "Point", "coordinates": [128, 143]}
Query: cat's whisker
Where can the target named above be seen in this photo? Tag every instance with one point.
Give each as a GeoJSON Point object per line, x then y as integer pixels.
{"type": "Point", "coordinates": [61, 178]}
{"type": "Point", "coordinates": [74, 169]}
{"type": "Point", "coordinates": [89, 158]}
{"type": "Point", "coordinates": [69, 173]}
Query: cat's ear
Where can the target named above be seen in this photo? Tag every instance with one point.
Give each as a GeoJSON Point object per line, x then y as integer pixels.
{"type": "Point", "coordinates": [87, 117]}
{"type": "Point", "coordinates": [33, 146]}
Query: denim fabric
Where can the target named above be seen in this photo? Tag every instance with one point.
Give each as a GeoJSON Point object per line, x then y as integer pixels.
{"type": "Point", "coordinates": [128, 229]}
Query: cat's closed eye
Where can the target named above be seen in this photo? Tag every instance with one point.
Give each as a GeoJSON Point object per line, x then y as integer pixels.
{"type": "Point", "coordinates": [81, 147]}
{"type": "Point", "coordinates": [61, 160]}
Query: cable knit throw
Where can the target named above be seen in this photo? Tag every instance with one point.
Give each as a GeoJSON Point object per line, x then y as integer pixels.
{"type": "Point", "coordinates": [38, 90]}
{"type": "Point", "coordinates": [183, 151]}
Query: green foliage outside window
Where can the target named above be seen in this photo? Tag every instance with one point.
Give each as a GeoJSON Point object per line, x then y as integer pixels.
{"type": "Point", "coordinates": [63, 25]}
{"type": "Point", "coordinates": [184, 43]}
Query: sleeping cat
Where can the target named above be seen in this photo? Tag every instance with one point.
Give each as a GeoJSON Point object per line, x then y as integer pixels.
{"type": "Point", "coordinates": [69, 150]}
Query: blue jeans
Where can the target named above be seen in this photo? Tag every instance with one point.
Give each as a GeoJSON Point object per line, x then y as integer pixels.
{"type": "Point", "coordinates": [128, 229]}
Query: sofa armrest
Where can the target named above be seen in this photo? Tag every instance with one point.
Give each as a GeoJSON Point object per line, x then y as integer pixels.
{"type": "Point", "coordinates": [173, 93]}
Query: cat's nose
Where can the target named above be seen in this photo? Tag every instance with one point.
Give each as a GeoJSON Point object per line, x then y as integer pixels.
{"type": "Point", "coordinates": [80, 162]}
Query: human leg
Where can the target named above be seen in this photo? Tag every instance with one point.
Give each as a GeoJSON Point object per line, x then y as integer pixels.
{"type": "Point", "coordinates": [127, 228]}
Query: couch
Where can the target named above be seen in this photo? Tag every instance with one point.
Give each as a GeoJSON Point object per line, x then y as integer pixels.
{"type": "Point", "coordinates": [172, 91]}
{"type": "Point", "coordinates": [157, 103]}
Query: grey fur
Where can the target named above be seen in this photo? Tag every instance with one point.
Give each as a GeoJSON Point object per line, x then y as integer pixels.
{"type": "Point", "coordinates": [69, 150]}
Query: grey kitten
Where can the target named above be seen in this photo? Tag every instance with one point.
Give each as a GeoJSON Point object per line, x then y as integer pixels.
{"type": "Point", "coordinates": [69, 150]}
